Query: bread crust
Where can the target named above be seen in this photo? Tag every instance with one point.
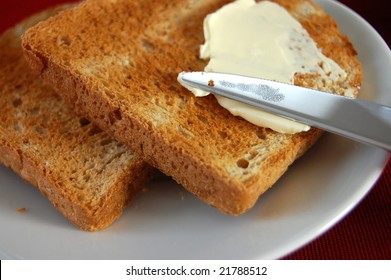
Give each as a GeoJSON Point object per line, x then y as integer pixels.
{"type": "Point", "coordinates": [123, 77]}
{"type": "Point", "coordinates": [64, 156]}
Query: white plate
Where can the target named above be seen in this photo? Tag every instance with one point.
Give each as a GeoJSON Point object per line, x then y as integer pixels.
{"type": "Point", "coordinates": [168, 223]}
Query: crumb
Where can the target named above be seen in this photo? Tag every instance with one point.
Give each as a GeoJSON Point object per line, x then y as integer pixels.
{"type": "Point", "coordinates": [144, 190]}
{"type": "Point", "coordinates": [136, 206]}
{"type": "Point", "coordinates": [21, 210]}
{"type": "Point", "coordinates": [182, 197]}
{"type": "Point", "coordinates": [211, 83]}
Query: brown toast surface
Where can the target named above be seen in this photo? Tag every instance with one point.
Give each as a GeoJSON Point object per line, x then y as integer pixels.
{"type": "Point", "coordinates": [119, 65]}
{"type": "Point", "coordinates": [87, 175]}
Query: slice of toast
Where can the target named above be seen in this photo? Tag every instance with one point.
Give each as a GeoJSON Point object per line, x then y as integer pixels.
{"type": "Point", "coordinates": [119, 65]}
{"type": "Point", "coordinates": [87, 176]}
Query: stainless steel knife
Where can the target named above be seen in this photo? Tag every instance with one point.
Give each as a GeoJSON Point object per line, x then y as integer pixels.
{"type": "Point", "coordinates": [360, 120]}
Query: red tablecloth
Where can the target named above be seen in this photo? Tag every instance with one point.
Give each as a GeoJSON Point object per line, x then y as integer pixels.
{"type": "Point", "coordinates": [366, 232]}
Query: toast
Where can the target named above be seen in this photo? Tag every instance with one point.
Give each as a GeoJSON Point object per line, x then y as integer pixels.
{"type": "Point", "coordinates": [86, 175]}
{"type": "Point", "coordinates": [118, 67]}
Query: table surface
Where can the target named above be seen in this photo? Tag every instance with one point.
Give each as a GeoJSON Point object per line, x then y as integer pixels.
{"type": "Point", "coordinates": [365, 233]}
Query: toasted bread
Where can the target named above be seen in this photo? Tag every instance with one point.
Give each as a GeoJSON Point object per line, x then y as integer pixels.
{"type": "Point", "coordinates": [119, 65]}
{"type": "Point", "coordinates": [88, 176]}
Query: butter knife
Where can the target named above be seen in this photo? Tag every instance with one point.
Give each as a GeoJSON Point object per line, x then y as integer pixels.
{"type": "Point", "coordinates": [359, 120]}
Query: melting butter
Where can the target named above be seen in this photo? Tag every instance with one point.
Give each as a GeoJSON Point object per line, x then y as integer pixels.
{"type": "Point", "coordinates": [261, 40]}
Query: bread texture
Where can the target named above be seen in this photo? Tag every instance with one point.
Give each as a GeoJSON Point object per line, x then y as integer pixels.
{"type": "Point", "coordinates": [87, 175]}
{"type": "Point", "coordinates": [119, 67]}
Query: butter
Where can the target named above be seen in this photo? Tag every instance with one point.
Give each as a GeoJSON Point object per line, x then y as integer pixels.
{"type": "Point", "coordinates": [261, 40]}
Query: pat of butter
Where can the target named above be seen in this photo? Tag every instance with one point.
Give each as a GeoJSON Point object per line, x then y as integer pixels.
{"type": "Point", "coordinates": [261, 40]}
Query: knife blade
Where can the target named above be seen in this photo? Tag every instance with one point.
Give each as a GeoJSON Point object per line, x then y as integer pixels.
{"type": "Point", "coordinates": [357, 119]}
